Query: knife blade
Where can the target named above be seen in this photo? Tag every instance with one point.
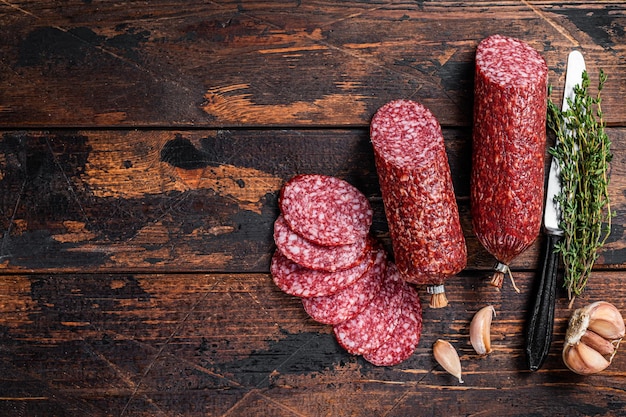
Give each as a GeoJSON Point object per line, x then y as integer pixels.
{"type": "Point", "coordinates": [541, 323]}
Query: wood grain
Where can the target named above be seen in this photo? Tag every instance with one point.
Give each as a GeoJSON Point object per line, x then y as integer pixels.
{"type": "Point", "coordinates": [143, 146]}
{"type": "Point", "coordinates": [223, 344]}
{"type": "Point", "coordinates": [276, 63]}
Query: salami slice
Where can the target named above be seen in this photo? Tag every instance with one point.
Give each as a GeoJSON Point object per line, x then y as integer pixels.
{"type": "Point", "coordinates": [418, 195]}
{"type": "Point", "coordinates": [406, 335]}
{"type": "Point", "coordinates": [350, 301]}
{"type": "Point", "coordinates": [509, 144]}
{"type": "Point", "coordinates": [374, 325]}
{"type": "Point", "coordinates": [299, 281]}
{"type": "Point", "coordinates": [325, 210]}
{"type": "Point", "coordinates": [313, 256]}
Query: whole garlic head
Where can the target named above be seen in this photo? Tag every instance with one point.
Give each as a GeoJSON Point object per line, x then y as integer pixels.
{"type": "Point", "coordinates": [592, 338]}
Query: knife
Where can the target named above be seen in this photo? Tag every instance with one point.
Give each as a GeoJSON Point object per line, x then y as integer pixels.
{"type": "Point", "coordinates": [539, 332]}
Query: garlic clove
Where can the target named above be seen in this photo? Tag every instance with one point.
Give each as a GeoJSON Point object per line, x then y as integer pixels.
{"type": "Point", "coordinates": [480, 330]}
{"type": "Point", "coordinates": [447, 356]}
{"type": "Point", "coordinates": [584, 360]}
{"type": "Point", "coordinates": [571, 358]}
{"type": "Point", "coordinates": [598, 343]}
{"type": "Point", "coordinates": [606, 320]}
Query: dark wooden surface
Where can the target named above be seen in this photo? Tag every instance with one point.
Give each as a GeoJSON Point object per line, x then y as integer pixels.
{"type": "Point", "coordinates": [143, 146]}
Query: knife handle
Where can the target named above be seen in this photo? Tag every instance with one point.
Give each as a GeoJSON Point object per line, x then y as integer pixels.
{"type": "Point", "coordinates": [539, 332]}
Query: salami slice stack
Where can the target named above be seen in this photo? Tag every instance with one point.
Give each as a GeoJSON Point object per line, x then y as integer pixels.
{"type": "Point", "coordinates": [326, 256]}
{"type": "Point", "coordinates": [418, 196]}
{"type": "Point", "coordinates": [405, 336]}
{"type": "Point", "coordinates": [509, 143]}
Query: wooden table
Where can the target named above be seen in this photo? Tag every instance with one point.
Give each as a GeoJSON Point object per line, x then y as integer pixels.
{"type": "Point", "coordinates": [143, 148]}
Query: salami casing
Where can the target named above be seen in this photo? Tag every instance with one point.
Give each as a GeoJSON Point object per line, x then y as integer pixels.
{"type": "Point", "coordinates": [420, 205]}
{"type": "Point", "coordinates": [508, 151]}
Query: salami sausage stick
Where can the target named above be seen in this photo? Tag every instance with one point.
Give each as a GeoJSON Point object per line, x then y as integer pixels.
{"type": "Point", "coordinates": [418, 196]}
{"type": "Point", "coordinates": [509, 143]}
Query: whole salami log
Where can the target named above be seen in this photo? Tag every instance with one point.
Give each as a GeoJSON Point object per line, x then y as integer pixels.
{"type": "Point", "coordinates": [418, 195]}
{"type": "Point", "coordinates": [509, 143]}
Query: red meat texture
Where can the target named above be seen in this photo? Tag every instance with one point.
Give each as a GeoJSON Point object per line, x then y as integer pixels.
{"type": "Point", "coordinates": [509, 145]}
{"type": "Point", "coordinates": [418, 194]}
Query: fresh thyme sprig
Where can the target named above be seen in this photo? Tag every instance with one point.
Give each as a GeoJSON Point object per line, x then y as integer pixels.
{"type": "Point", "coordinates": [583, 152]}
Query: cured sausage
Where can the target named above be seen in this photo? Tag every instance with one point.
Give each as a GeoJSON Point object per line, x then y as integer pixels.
{"type": "Point", "coordinates": [406, 335]}
{"type": "Point", "coordinates": [348, 302]}
{"type": "Point", "coordinates": [326, 256]}
{"type": "Point", "coordinates": [314, 256]}
{"type": "Point", "coordinates": [299, 281]}
{"type": "Point", "coordinates": [418, 196]}
{"type": "Point", "coordinates": [508, 151]}
{"type": "Point", "coordinates": [325, 210]}
{"type": "Point", "coordinates": [373, 326]}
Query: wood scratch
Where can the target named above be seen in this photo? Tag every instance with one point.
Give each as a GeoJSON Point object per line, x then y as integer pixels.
{"type": "Point", "coordinates": [24, 398]}
{"type": "Point", "coordinates": [102, 49]}
{"type": "Point", "coordinates": [246, 395]}
{"type": "Point", "coordinates": [283, 406]}
{"type": "Point", "coordinates": [18, 8]}
{"type": "Point", "coordinates": [356, 14]}
{"type": "Point", "coordinates": [7, 234]}
{"type": "Point", "coordinates": [397, 403]}
{"type": "Point", "coordinates": [148, 346]}
{"type": "Point", "coordinates": [111, 365]}
{"type": "Point", "coordinates": [256, 392]}
{"type": "Point", "coordinates": [317, 39]}
{"type": "Point", "coordinates": [165, 211]}
{"type": "Point", "coordinates": [263, 308]}
{"type": "Point", "coordinates": [552, 23]}
{"type": "Point", "coordinates": [287, 359]}
{"type": "Point", "coordinates": [161, 349]}
{"type": "Point", "coordinates": [70, 185]}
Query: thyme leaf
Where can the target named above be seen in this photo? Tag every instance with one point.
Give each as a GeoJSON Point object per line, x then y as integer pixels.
{"type": "Point", "coordinates": [583, 153]}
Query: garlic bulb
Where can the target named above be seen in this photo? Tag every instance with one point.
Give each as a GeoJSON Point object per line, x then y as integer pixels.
{"type": "Point", "coordinates": [592, 338]}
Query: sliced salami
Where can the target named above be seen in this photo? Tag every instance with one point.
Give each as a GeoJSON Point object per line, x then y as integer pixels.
{"type": "Point", "coordinates": [317, 257]}
{"type": "Point", "coordinates": [418, 195]}
{"type": "Point", "coordinates": [350, 301]}
{"type": "Point", "coordinates": [374, 325]}
{"type": "Point", "coordinates": [325, 210]}
{"type": "Point", "coordinates": [299, 281]}
{"type": "Point", "coordinates": [508, 147]}
{"type": "Point", "coordinates": [406, 335]}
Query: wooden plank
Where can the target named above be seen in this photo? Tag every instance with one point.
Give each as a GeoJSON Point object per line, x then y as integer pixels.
{"type": "Point", "coordinates": [201, 200]}
{"type": "Point", "coordinates": [224, 344]}
{"type": "Point", "coordinates": [88, 199]}
{"type": "Point", "coordinates": [276, 63]}
{"type": "Point", "coordinates": [143, 147]}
